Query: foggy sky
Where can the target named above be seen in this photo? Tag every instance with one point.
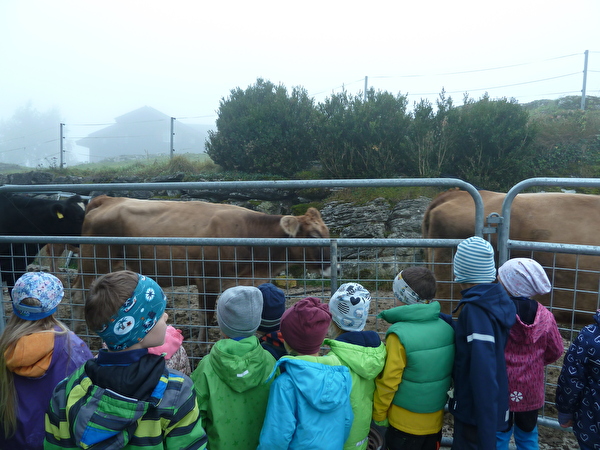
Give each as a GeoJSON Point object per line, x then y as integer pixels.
{"type": "Point", "coordinates": [95, 61]}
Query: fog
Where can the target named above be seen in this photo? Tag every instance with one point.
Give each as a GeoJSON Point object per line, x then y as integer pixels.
{"type": "Point", "coordinates": [96, 61]}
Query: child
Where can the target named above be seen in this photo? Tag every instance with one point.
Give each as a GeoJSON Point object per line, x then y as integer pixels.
{"type": "Point", "coordinates": [578, 389]}
{"type": "Point", "coordinates": [534, 342]}
{"type": "Point", "coordinates": [361, 351]}
{"type": "Point", "coordinates": [273, 309]}
{"type": "Point", "coordinates": [309, 403]}
{"type": "Point", "coordinates": [126, 398]}
{"type": "Point", "coordinates": [36, 352]}
{"type": "Point", "coordinates": [412, 390]}
{"type": "Point", "coordinates": [480, 398]}
{"type": "Point", "coordinates": [231, 381]}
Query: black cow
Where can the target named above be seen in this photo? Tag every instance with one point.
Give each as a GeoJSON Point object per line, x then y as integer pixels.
{"type": "Point", "coordinates": [28, 216]}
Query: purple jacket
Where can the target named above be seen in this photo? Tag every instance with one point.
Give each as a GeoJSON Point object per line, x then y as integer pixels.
{"type": "Point", "coordinates": [34, 394]}
{"type": "Point", "coordinates": [528, 350]}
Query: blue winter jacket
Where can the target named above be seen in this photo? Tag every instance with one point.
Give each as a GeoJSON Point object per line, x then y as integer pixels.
{"type": "Point", "coordinates": [578, 389]}
{"type": "Point", "coordinates": [309, 405]}
{"type": "Point", "coordinates": [480, 381]}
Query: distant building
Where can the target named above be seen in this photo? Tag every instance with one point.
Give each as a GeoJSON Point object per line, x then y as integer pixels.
{"type": "Point", "coordinates": [142, 132]}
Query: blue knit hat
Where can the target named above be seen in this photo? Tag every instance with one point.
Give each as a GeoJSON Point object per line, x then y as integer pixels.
{"type": "Point", "coordinates": [474, 261]}
{"type": "Point", "coordinates": [273, 307]}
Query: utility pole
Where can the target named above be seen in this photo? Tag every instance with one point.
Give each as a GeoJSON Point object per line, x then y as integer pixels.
{"type": "Point", "coordinates": [172, 150]}
{"type": "Point", "coordinates": [62, 145]}
{"type": "Point", "coordinates": [585, 65]}
{"type": "Point", "coordinates": [366, 83]}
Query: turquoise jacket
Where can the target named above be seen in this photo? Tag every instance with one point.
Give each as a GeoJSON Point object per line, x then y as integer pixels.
{"type": "Point", "coordinates": [365, 363]}
{"type": "Point", "coordinates": [233, 390]}
{"type": "Point", "coordinates": [309, 405]}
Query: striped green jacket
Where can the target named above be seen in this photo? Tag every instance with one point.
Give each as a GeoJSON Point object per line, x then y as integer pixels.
{"type": "Point", "coordinates": [82, 415]}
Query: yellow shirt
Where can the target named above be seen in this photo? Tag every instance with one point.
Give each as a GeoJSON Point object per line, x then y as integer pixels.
{"type": "Point", "coordinates": [387, 385]}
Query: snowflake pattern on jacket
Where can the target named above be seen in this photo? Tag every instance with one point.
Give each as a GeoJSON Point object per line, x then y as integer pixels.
{"type": "Point", "coordinates": [578, 390]}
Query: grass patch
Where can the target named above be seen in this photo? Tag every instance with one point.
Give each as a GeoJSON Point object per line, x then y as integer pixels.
{"type": "Point", "coordinates": [362, 196]}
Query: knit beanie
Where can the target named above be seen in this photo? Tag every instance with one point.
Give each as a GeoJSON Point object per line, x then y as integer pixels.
{"type": "Point", "coordinates": [349, 306]}
{"type": "Point", "coordinates": [305, 324]}
{"type": "Point", "coordinates": [474, 261]}
{"type": "Point", "coordinates": [524, 277]}
{"type": "Point", "coordinates": [238, 311]}
{"type": "Point", "coordinates": [42, 286]}
{"type": "Point", "coordinates": [273, 307]}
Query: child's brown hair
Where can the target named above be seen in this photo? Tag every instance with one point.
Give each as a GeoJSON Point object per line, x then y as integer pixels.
{"type": "Point", "coordinates": [107, 294]}
{"type": "Point", "coordinates": [421, 280]}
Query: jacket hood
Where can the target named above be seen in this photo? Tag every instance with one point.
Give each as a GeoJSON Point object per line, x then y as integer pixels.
{"type": "Point", "coordinates": [241, 365]}
{"type": "Point", "coordinates": [491, 297]}
{"type": "Point", "coordinates": [523, 333]}
{"type": "Point", "coordinates": [366, 362]}
{"type": "Point", "coordinates": [117, 413]}
{"type": "Point", "coordinates": [325, 387]}
{"type": "Point", "coordinates": [31, 355]}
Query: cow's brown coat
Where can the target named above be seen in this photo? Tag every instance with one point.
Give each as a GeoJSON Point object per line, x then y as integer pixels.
{"type": "Point", "coordinates": [541, 217]}
{"type": "Point", "coordinates": [211, 269]}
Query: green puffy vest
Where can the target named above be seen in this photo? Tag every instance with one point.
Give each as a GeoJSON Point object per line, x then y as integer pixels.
{"type": "Point", "coordinates": [429, 345]}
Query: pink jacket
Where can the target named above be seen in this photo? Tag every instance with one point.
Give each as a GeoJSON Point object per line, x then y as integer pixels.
{"type": "Point", "coordinates": [529, 349]}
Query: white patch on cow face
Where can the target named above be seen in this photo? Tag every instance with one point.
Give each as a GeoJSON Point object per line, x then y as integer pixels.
{"type": "Point", "coordinates": [81, 205]}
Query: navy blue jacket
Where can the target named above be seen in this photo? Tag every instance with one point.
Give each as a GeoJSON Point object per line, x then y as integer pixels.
{"type": "Point", "coordinates": [480, 382]}
{"type": "Point", "coordinates": [578, 390]}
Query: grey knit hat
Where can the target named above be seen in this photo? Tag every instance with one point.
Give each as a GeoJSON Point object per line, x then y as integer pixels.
{"type": "Point", "coordinates": [474, 261]}
{"type": "Point", "coordinates": [239, 311]}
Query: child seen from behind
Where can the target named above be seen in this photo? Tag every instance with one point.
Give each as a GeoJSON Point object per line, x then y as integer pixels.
{"type": "Point", "coordinates": [36, 352]}
{"type": "Point", "coordinates": [309, 403]}
{"type": "Point", "coordinates": [412, 390]}
{"type": "Point", "coordinates": [232, 380]}
{"type": "Point", "coordinates": [125, 398]}
{"type": "Point", "coordinates": [533, 343]}
{"type": "Point", "coordinates": [361, 351]}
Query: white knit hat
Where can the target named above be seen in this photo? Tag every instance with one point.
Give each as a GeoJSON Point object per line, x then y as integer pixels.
{"type": "Point", "coordinates": [474, 261]}
{"type": "Point", "coordinates": [349, 306]}
{"type": "Point", "coordinates": [524, 277]}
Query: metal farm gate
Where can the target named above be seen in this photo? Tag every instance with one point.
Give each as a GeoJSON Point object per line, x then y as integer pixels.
{"type": "Point", "coordinates": [371, 262]}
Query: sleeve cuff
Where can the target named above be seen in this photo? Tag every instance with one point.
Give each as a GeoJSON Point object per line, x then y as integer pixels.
{"type": "Point", "coordinates": [564, 417]}
{"type": "Point", "coordinates": [382, 423]}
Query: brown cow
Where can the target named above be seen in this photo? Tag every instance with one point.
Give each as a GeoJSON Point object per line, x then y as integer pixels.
{"type": "Point", "coordinates": [541, 217]}
{"type": "Point", "coordinates": [211, 269]}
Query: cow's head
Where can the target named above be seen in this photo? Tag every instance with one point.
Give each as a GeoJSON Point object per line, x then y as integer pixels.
{"type": "Point", "coordinates": [67, 217]}
{"type": "Point", "coordinates": [310, 225]}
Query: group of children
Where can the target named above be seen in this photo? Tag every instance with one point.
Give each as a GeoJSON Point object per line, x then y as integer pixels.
{"type": "Point", "coordinates": [267, 385]}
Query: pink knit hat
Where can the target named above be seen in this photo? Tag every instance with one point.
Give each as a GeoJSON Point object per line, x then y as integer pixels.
{"type": "Point", "coordinates": [524, 277]}
{"type": "Point", "coordinates": [305, 324]}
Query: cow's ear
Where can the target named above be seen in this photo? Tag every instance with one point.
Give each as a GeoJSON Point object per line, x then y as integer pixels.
{"type": "Point", "coordinates": [290, 225]}
{"type": "Point", "coordinates": [58, 211]}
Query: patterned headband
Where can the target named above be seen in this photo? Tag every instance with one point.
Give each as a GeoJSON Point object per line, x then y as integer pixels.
{"type": "Point", "coordinates": [138, 315]}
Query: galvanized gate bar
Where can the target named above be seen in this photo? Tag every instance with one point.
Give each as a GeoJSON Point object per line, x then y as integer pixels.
{"type": "Point", "coordinates": [504, 228]}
